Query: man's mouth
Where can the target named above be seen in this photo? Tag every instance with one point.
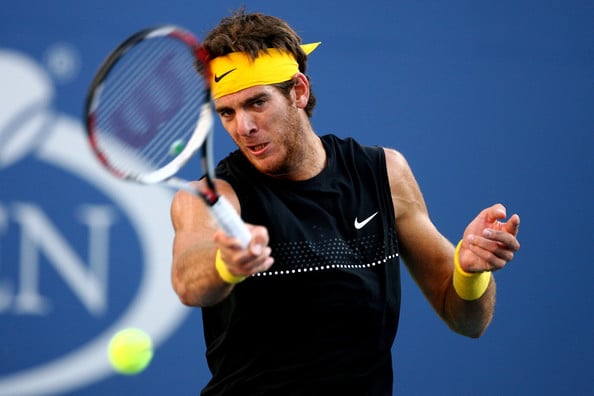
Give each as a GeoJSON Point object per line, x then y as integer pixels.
{"type": "Point", "coordinates": [257, 148]}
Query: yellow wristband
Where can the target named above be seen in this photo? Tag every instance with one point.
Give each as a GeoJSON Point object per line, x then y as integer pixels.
{"type": "Point", "coordinates": [469, 286]}
{"type": "Point", "coordinates": [224, 273]}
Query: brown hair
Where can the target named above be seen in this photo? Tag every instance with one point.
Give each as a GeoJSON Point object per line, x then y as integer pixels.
{"type": "Point", "coordinates": [255, 32]}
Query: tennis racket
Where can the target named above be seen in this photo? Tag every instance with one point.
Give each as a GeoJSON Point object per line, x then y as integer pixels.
{"type": "Point", "coordinates": [148, 111]}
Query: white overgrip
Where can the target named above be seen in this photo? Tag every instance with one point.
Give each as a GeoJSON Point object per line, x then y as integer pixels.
{"type": "Point", "coordinates": [229, 220]}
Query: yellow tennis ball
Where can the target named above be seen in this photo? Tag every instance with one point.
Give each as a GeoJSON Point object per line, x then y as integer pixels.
{"type": "Point", "coordinates": [130, 351]}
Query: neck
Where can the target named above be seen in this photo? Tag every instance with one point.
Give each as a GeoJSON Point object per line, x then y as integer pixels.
{"type": "Point", "coordinates": [313, 158]}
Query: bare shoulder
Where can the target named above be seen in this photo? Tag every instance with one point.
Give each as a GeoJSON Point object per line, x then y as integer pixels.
{"type": "Point", "coordinates": [399, 171]}
{"type": "Point", "coordinates": [393, 154]}
{"type": "Point", "coordinates": [396, 162]}
{"type": "Point", "coordinates": [406, 194]}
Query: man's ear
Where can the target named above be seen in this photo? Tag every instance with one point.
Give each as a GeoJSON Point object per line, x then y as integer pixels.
{"type": "Point", "coordinates": [301, 89]}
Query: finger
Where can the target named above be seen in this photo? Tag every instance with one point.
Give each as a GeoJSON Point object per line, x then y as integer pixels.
{"type": "Point", "coordinates": [512, 225]}
{"type": "Point", "coordinates": [496, 247]}
{"type": "Point", "coordinates": [502, 239]}
{"type": "Point", "coordinates": [223, 240]}
{"type": "Point", "coordinates": [487, 256]}
{"type": "Point", "coordinates": [496, 212]}
{"type": "Point", "coordinates": [259, 240]}
{"type": "Point", "coordinates": [259, 263]}
{"type": "Point", "coordinates": [262, 263]}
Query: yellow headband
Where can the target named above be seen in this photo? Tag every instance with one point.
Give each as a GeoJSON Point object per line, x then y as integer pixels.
{"type": "Point", "coordinates": [236, 71]}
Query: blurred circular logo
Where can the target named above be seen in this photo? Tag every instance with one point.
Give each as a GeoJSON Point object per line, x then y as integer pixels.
{"type": "Point", "coordinates": [40, 149]}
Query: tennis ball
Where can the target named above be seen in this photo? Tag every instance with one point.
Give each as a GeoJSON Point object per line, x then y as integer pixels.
{"type": "Point", "coordinates": [176, 147]}
{"type": "Point", "coordinates": [130, 351]}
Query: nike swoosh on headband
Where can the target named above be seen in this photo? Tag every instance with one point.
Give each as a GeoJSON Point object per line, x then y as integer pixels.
{"type": "Point", "coordinates": [359, 225]}
{"type": "Point", "coordinates": [219, 78]}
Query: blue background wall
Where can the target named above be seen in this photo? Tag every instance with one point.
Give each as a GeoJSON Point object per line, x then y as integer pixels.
{"type": "Point", "coordinates": [490, 101]}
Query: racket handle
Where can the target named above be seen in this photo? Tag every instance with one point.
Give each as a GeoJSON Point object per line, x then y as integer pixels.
{"type": "Point", "coordinates": [229, 221]}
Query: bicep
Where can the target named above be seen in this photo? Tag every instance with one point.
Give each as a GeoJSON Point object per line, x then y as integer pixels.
{"type": "Point", "coordinates": [425, 251]}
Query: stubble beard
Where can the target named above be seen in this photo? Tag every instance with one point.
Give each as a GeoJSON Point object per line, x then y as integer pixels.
{"type": "Point", "coordinates": [292, 139]}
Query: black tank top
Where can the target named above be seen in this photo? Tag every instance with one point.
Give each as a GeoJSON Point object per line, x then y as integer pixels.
{"type": "Point", "coordinates": [323, 318]}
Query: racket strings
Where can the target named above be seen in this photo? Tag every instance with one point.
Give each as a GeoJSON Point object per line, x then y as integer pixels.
{"type": "Point", "coordinates": [148, 106]}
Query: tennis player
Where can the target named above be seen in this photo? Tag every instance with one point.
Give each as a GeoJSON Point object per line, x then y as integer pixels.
{"type": "Point", "coordinates": [311, 306]}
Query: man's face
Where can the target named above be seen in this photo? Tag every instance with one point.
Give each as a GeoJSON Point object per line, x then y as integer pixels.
{"type": "Point", "coordinates": [266, 126]}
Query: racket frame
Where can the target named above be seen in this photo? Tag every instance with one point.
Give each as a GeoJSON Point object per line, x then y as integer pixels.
{"type": "Point", "coordinates": [204, 126]}
{"type": "Point", "coordinates": [201, 138]}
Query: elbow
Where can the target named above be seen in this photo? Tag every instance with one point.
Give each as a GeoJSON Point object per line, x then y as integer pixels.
{"type": "Point", "coordinates": [183, 292]}
{"type": "Point", "coordinates": [192, 295]}
{"type": "Point", "coordinates": [470, 330]}
{"type": "Point", "coordinates": [474, 333]}
{"type": "Point", "coordinates": [186, 299]}
{"type": "Point", "coordinates": [469, 319]}
{"type": "Point", "coordinates": [471, 327]}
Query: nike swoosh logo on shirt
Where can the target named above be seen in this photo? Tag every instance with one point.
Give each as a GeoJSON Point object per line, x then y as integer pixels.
{"type": "Point", "coordinates": [361, 224]}
{"type": "Point", "coordinates": [219, 78]}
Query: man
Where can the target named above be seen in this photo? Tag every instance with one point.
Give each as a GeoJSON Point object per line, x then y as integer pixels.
{"type": "Point", "coordinates": [311, 305]}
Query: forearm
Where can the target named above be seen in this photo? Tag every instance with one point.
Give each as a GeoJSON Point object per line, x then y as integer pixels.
{"type": "Point", "coordinates": [434, 273]}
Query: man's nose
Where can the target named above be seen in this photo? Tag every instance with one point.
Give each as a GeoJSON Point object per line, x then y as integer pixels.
{"type": "Point", "coordinates": [246, 125]}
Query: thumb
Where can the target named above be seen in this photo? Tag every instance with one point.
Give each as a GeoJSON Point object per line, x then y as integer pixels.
{"type": "Point", "coordinates": [259, 240]}
{"type": "Point", "coordinates": [256, 248]}
{"type": "Point", "coordinates": [513, 225]}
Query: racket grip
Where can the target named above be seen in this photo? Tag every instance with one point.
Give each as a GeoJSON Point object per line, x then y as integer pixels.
{"type": "Point", "coordinates": [229, 221]}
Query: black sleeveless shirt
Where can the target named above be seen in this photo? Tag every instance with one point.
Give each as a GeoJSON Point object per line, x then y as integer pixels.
{"type": "Point", "coordinates": [323, 318]}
